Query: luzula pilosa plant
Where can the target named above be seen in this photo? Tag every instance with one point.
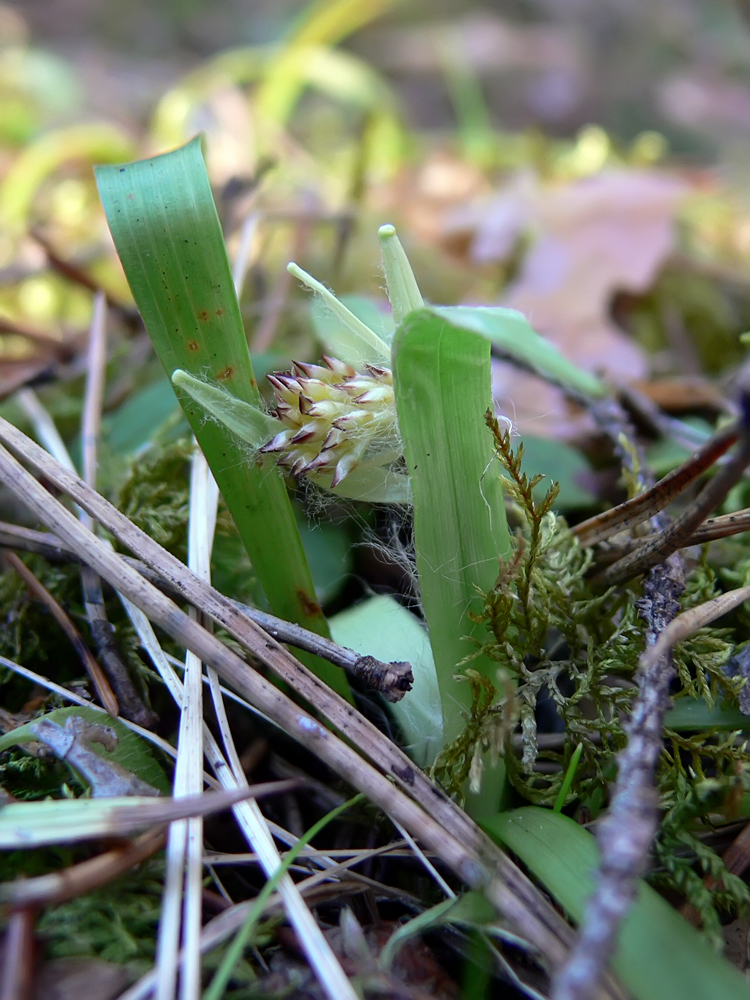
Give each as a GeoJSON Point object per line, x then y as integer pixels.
{"type": "Point", "coordinates": [334, 423]}
{"type": "Point", "coordinates": [398, 417]}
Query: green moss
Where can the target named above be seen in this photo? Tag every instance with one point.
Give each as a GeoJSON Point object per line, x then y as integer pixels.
{"type": "Point", "coordinates": [568, 649]}
{"type": "Point", "coordinates": [156, 494]}
{"type": "Point", "coordinates": [116, 923]}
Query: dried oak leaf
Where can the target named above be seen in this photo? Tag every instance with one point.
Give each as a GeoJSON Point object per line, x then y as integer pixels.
{"type": "Point", "coordinates": [590, 238]}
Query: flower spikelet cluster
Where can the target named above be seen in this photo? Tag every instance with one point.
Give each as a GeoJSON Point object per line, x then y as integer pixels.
{"type": "Point", "coordinates": [333, 416]}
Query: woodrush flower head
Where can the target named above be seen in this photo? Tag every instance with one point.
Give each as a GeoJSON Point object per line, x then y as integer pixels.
{"type": "Point", "coordinates": [334, 417]}
{"type": "Point", "coordinates": [335, 422]}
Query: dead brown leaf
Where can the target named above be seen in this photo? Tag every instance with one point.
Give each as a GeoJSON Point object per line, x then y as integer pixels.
{"type": "Point", "coordinates": [590, 238]}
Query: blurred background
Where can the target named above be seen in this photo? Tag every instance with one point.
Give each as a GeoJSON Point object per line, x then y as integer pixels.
{"type": "Point", "coordinates": [679, 66]}
{"type": "Point", "coordinates": [585, 161]}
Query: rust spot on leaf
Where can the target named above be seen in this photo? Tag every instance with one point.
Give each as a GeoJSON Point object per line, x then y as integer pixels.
{"type": "Point", "coordinates": [226, 374]}
{"type": "Point", "coordinates": [203, 315]}
{"type": "Point", "coordinates": [309, 604]}
{"type": "Point", "coordinates": [219, 312]}
{"type": "Point", "coordinates": [193, 345]}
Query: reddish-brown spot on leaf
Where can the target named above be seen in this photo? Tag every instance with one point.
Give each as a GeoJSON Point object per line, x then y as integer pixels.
{"type": "Point", "coordinates": [226, 374]}
{"type": "Point", "coordinates": [193, 345]}
{"type": "Point", "coordinates": [203, 315]}
{"type": "Point", "coordinates": [219, 312]}
{"type": "Point", "coordinates": [309, 604]}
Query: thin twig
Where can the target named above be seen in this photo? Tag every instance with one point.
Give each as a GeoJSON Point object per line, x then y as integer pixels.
{"type": "Point", "coordinates": [688, 623]}
{"type": "Point", "coordinates": [253, 824]}
{"type": "Point", "coordinates": [102, 632]}
{"type": "Point", "coordinates": [277, 300]}
{"type": "Point", "coordinates": [95, 672]}
{"type": "Point", "coordinates": [722, 526]}
{"type": "Point", "coordinates": [626, 834]}
{"type": "Point", "coordinates": [180, 916]}
{"type": "Point", "coordinates": [62, 350]}
{"type": "Point", "coordinates": [657, 547]}
{"type": "Point", "coordinates": [658, 420]}
{"type": "Point", "coordinates": [712, 529]}
{"type": "Point", "coordinates": [641, 508]}
{"type": "Point", "coordinates": [18, 956]}
{"type": "Point", "coordinates": [45, 682]}
{"type": "Point", "coordinates": [77, 275]}
{"type": "Point", "coordinates": [392, 680]}
{"type": "Point", "coordinates": [76, 880]}
{"type": "Point", "coordinates": [204, 498]}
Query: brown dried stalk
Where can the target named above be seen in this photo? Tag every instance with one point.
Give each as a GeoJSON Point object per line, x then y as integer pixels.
{"type": "Point", "coordinates": [78, 879]}
{"type": "Point", "coordinates": [102, 632]}
{"type": "Point", "coordinates": [641, 508]}
{"type": "Point", "coordinates": [676, 535]}
{"type": "Point", "coordinates": [627, 832]}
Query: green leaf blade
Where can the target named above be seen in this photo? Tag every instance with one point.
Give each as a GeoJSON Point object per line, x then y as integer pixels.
{"type": "Point", "coordinates": [131, 751]}
{"type": "Point", "coordinates": [511, 332]}
{"type": "Point", "coordinates": [167, 233]}
{"type": "Point", "coordinates": [380, 626]}
{"type": "Point", "coordinates": [442, 386]}
{"type": "Point", "coordinates": [659, 956]}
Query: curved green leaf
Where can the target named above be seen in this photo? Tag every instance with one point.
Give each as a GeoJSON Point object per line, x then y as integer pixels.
{"type": "Point", "coordinates": [659, 956]}
{"type": "Point", "coordinates": [131, 752]}
{"type": "Point", "coordinates": [442, 388]}
{"type": "Point", "coordinates": [381, 627]}
{"type": "Point", "coordinates": [250, 423]}
{"type": "Point", "coordinates": [510, 331]}
{"type": "Point", "coordinates": [693, 714]}
{"type": "Point", "coordinates": [163, 219]}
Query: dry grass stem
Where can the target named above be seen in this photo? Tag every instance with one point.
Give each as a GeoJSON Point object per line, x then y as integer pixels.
{"type": "Point", "coordinates": [75, 880]}
{"type": "Point", "coordinates": [392, 680]}
{"type": "Point", "coordinates": [675, 536]}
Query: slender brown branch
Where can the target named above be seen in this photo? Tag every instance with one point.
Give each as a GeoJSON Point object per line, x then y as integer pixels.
{"type": "Point", "coordinates": [61, 349]}
{"type": "Point", "coordinates": [95, 672]}
{"type": "Point", "coordinates": [277, 300]}
{"type": "Point", "coordinates": [627, 832]}
{"type": "Point", "coordinates": [676, 535]}
{"type": "Point", "coordinates": [721, 527]}
{"type": "Point", "coordinates": [76, 880]}
{"type": "Point", "coordinates": [644, 506]}
{"type": "Point", "coordinates": [43, 543]}
{"type": "Point", "coordinates": [615, 423]}
{"type": "Point", "coordinates": [132, 705]}
{"type": "Point", "coordinates": [17, 965]}
{"type": "Point", "coordinates": [713, 528]}
{"type": "Point", "coordinates": [76, 274]}
{"type": "Point", "coordinates": [392, 680]}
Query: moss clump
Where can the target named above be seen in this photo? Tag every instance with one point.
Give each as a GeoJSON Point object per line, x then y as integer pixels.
{"type": "Point", "coordinates": [569, 655]}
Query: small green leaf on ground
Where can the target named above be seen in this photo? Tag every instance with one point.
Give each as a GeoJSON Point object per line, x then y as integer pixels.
{"type": "Point", "coordinates": [660, 956]}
